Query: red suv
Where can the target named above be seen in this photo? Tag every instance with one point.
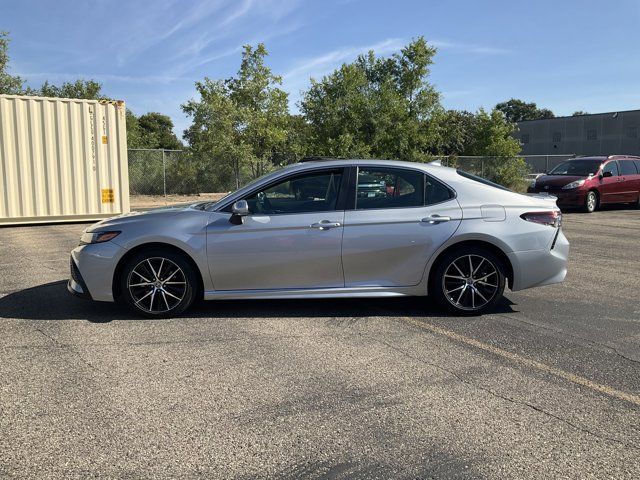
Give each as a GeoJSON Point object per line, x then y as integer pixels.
{"type": "Point", "coordinates": [589, 182]}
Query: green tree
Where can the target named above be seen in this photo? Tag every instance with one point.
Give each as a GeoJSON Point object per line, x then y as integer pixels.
{"type": "Point", "coordinates": [518, 111]}
{"type": "Point", "coordinates": [9, 84]}
{"type": "Point", "coordinates": [579, 112]}
{"type": "Point", "coordinates": [240, 125]}
{"type": "Point", "coordinates": [84, 89]}
{"type": "Point", "coordinates": [375, 107]}
{"type": "Point", "coordinates": [156, 131]}
{"type": "Point", "coordinates": [454, 132]}
{"type": "Point", "coordinates": [493, 137]}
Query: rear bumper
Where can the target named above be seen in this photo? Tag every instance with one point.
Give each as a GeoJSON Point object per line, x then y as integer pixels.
{"type": "Point", "coordinates": [535, 268]}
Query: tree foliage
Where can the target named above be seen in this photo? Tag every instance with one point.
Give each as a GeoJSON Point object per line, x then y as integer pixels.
{"type": "Point", "coordinates": [241, 125]}
{"type": "Point", "coordinates": [518, 111]}
{"type": "Point", "coordinates": [375, 106]}
{"type": "Point", "coordinates": [9, 84]}
{"type": "Point", "coordinates": [85, 89]}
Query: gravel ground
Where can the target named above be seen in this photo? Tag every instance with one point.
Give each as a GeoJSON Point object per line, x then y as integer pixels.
{"type": "Point", "coordinates": [547, 387]}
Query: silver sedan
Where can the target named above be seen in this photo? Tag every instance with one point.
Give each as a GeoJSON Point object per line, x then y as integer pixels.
{"type": "Point", "coordinates": [329, 228]}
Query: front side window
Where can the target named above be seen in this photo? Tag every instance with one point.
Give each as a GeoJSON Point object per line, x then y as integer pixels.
{"type": "Point", "coordinates": [389, 188]}
{"type": "Point", "coordinates": [611, 167]}
{"type": "Point", "coordinates": [312, 192]}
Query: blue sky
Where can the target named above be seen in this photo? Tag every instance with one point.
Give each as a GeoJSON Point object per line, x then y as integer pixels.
{"type": "Point", "coordinates": [565, 55]}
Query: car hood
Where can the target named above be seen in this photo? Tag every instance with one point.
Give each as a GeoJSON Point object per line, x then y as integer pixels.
{"type": "Point", "coordinates": [557, 180]}
{"type": "Point", "coordinates": [153, 214]}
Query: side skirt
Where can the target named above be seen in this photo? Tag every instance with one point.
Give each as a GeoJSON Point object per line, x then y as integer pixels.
{"type": "Point", "coordinates": [347, 292]}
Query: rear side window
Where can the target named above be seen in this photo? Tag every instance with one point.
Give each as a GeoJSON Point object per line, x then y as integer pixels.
{"type": "Point", "coordinates": [637, 162]}
{"type": "Point", "coordinates": [389, 188]}
{"type": "Point", "coordinates": [611, 167]}
{"type": "Point", "coordinates": [435, 192]}
{"type": "Point", "coordinates": [627, 167]}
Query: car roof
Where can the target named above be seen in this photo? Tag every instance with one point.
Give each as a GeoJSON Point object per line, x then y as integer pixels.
{"type": "Point", "coordinates": [604, 158]}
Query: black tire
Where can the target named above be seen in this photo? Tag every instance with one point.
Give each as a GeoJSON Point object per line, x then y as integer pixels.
{"type": "Point", "coordinates": [175, 291]}
{"type": "Point", "coordinates": [445, 289]}
{"type": "Point", "coordinates": [590, 202]}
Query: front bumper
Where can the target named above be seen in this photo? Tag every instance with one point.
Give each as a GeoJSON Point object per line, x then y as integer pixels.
{"type": "Point", "coordinates": [92, 270]}
{"type": "Point", "coordinates": [566, 198]}
{"type": "Point", "coordinates": [76, 283]}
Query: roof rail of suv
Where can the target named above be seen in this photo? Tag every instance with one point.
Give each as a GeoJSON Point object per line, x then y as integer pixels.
{"type": "Point", "coordinates": [611, 157]}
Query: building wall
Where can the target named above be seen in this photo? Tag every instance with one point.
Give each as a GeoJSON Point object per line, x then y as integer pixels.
{"type": "Point", "coordinates": [597, 134]}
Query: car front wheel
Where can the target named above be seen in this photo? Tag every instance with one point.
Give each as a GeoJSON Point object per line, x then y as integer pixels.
{"type": "Point", "coordinates": [590, 202]}
{"type": "Point", "coordinates": [469, 281]}
{"type": "Point", "coordinates": [158, 283]}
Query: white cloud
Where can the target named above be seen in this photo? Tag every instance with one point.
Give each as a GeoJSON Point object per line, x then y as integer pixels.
{"type": "Point", "coordinates": [468, 48]}
{"type": "Point", "coordinates": [322, 64]}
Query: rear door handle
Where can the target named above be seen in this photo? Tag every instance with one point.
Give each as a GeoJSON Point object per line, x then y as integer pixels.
{"type": "Point", "coordinates": [435, 218]}
{"type": "Point", "coordinates": [325, 225]}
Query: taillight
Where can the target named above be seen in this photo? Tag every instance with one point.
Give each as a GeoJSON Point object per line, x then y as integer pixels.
{"type": "Point", "coordinates": [551, 218]}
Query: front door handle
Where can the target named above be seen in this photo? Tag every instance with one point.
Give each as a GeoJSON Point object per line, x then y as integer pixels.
{"type": "Point", "coordinates": [435, 218]}
{"type": "Point", "coordinates": [325, 225]}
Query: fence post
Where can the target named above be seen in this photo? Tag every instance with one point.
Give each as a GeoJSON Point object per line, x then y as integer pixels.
{"type": "Point", "coordinates": [482, 167]}
{"type": "Point", "coordinates": [546, 167]}
{"type": "Point", "coordinates": [164, 176]}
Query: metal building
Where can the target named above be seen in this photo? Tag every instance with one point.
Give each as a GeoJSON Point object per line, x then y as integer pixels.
{"type": "Point", "coordinates": [593, 134]}
{"type": "Point", "coordinates": [62, 159]}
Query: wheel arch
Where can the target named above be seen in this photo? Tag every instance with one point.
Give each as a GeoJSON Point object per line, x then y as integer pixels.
{"type": "Point", "coordinates": [115, 284]}
{"type": "Point", "coordinates": [492, 247]}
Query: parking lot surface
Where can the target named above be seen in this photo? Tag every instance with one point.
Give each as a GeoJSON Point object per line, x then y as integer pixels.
{"type": "Point", "coordinates": [547, 387]}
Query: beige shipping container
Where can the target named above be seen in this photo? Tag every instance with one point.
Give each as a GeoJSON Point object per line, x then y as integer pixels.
{"type": "Point", "coordinates": [62, 159]}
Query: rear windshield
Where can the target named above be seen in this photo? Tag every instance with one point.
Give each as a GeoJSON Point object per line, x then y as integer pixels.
{"type": "Point", "coordinates": [577, 167]}
{"type": "Point", "coordinates": [481, 180]}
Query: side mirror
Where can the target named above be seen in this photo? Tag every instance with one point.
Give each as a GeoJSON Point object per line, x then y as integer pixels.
{"type": "Point", "coordinates": [239, 209]}
{"type": "Point", "coordinates": [606, 174]}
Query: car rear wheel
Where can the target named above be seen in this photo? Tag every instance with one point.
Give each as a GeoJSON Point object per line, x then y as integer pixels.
{"type": "Point", "coordinates": [158, 283]}
{"type": "Point", "coordinates": [590, 202]}
{"type": "Point", "coordinates": [469, 281]}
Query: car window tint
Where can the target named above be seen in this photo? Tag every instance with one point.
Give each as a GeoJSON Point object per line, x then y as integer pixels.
{"type": "Point", "coordinates": [313, 192]}
{"type": "Point", "coordinates": [436, 192]}
{"type": "Point", "coordinates": [637, 162]}
{"type": "Point", "coordinates": [627, 167]}
{"type": "Point", "coordinates": [389, 188]}
{"type": "Point", "coordinates": [611, 167]}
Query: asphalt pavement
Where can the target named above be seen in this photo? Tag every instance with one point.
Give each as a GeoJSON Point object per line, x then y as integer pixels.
{"type": "Point", "coordinates": [547, 387]}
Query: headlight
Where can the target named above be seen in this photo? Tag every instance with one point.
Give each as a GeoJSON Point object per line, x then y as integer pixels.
{"type": "Point", "coordinates": [532, 183]}
{"type": "Point", "coordinates": [97, 237]}
{"type": "Point", "coordinates": [576, 184]}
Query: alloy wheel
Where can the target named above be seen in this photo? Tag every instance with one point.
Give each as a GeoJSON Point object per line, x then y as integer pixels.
{"type": "Point", "coordinates": [157, 285]}
{"type": "Point", "coordinates": [470, 282]}
{"type": "Point", "coordinates": [591, 201]}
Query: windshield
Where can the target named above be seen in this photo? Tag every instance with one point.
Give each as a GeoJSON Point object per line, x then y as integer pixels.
{"type": "Point", "coordinates": [581, 168]}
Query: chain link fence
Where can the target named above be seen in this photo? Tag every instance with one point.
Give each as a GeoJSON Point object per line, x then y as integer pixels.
{"type": "Point", "coordinates": [168, 176]}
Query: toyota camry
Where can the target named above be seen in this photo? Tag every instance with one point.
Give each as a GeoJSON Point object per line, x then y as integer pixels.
{"type": "Point", "coordinates": [327, 228]}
